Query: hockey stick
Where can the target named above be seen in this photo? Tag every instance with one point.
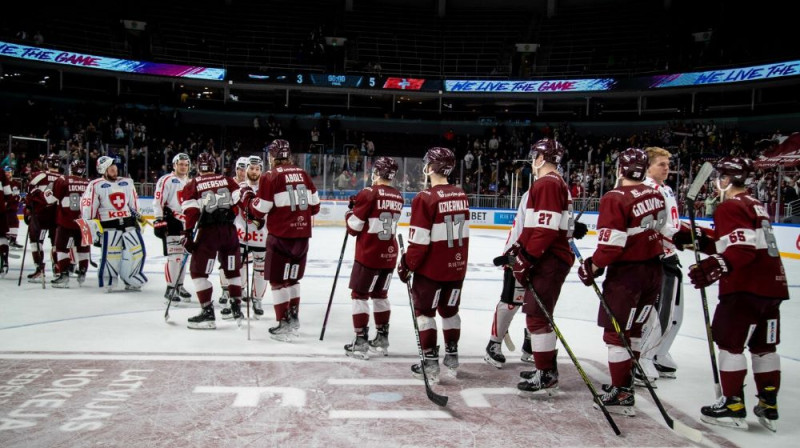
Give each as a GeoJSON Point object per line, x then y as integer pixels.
{"type": "Point", "coordinates": [440, 400]}
{"type": "Point", "coordinates": [43, 270]}
{"type": "Point", "coordinates": [574, 360]}
{"type": "Point", "coordinates": [509, 343]}
{"type": "Point", "coordinates": [699, 180]}
{"type": "Point", "coordinates": [247, 275]}
{"type": "Point", "coordinates": [333, 288]}
{"type": "Point", "coordinates": [676, 425]}
{"type": "Point", "coordinates": [24, 251]}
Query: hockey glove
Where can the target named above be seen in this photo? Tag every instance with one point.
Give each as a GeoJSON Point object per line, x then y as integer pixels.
{"type": "Point", "coordinates": [403, 272]}
{"type": "Point", "coordinates": [352, 202]}
{"type": "Point", "coordinates": [26, 216]}
{"type": "Point", "coordinates": [684, 238]}
{"type": "Point", "coordinates": [246, 196]}
{"type": "Point", "coordinates": [187, 240]}
{"type": "Point", "coordinates": [509, 257]}
{"type": "Point", "coordinates": [160, 228]}
{"type": "Point", "coordinates": [347, 216]}
{"type": "Point", "coordinates": [586, 272]}
{"type": "Point", "coordinates": [523, 268]}
{"type": "Point", "coordinates": [580, 230]}
{"type": "Point", "coordinates": [708, 271]}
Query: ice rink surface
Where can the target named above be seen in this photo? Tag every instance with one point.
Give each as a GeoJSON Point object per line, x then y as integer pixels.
{"type": "Point", "coordinates": [81, 367]}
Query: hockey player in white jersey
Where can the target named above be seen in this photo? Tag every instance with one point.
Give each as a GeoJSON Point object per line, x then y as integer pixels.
{"type": "Point", "coordinates": [169, 224]}
{"type": "Point", "coordinates": [111, 201]}
{"type": "Point", "coordinates": [253, 234]}
{"type": "Point", "coordinates": [661, 327]}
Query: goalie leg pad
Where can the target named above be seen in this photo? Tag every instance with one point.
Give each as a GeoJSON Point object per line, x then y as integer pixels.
{"type": "Point", "coordinates": [111, 258]}
{"type": "Point", "coordinates": [133, 256]}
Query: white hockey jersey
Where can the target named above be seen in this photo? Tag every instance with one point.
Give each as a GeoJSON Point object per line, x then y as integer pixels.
{"type": "Point", "coordinates": [248, 233]}
{"type": "Point", "coordinates": [168, 195]}
{"type": "Point", "coordinates": [518, 224]}
{"type": "Point", "coordinates": [107, 200]}
{"type": "Point", "coordinates": [673, 220]}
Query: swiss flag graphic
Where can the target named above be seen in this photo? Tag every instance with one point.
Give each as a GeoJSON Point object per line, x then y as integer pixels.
{"type": "Point", "coordinates": [403, 83]}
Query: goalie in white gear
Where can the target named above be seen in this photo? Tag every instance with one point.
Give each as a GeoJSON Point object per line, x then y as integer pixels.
{"type": "Point", "coordinates": [253, 234]}
{"type": "Point", "coordinates": [169, 225]}
{"type": "Point", "coordinates": [112, 201]}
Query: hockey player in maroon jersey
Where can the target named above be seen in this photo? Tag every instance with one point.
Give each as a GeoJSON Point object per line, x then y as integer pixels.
{"type": "Point", "coordinates": [629, 247]}
{"type": "Point", "coordinates": [287, 198]}
{"type": "Point", "coordinates": [752, 285]}
{"type": "Point", "coordinates": [67, 192]}
{"type": "Point", "coordinates": [12, 208]}
{"type": "Point", "coordinates": [42, 214]}
{"type": "Point", "coordinates": [208, 204]}
{"type": "Point", "coordinates": [5, 197]}
{"type": "Point", "coordinates": [438, 246]}
{"type": "Point", "coordinates": [372, 219]}
{"type": "Point", "coordinates": [544, 260]}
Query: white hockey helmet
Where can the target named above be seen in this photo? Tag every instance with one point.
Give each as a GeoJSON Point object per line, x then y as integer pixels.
{"type": "Point", "coordinates": [241, 163]}
{"type": "Point", "coordinates": [103, 163]}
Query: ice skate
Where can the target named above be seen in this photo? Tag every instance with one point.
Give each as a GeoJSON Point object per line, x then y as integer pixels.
{"type": "Point", "coordinates": [294, 320]}
{"type": "Point", "coordinates": [527, 351]}
{"type": "Point", "coordinates": [282, 332]}
{"type": "Point", "coordinates": [665, 366]}
{"type": "Point", "coordinates": [62, 281]}
{"type": "Point", "coordinates": [132, 288]}
{"type": "Point", "coordinates": [541, 382]}
{"type": "Point", "coordinates": [494, 355]}
{"type": "Point", "coordinates": [3, 265]}
{"type": "Point", "coordinates": [359, 348]}
{"type": "Point", "coordinates": [258, 310]}
{"type": "Point", "coordinates": [727, 411]}
{"type": "Point", "coordinates": [14, 245]}
{"type": "Point", "coordinates": [451, 358]}
{"type": "Point", "coordinates": [649, 370]}
{"type": "Point", "coordinates": [223, 299]}
{"type": "Point", "coordinates": [431, 366]}
{"type": "Point", "coordinates": [203, 321]}
{"type": "Point", "coordinates": [234, 311]}
{"type": "Point", "coordinates": [767, 408]}
{"type": "Point", "coordinates": [36, 276]}
{"type": "Point", "coordinates": [186, 295]}
{"type": "Point", "coordinates": [170, 294]}
{"type": "Point", "coordinates": [81, 276]}
{"type": "Point", "coordinates": [618, 400]}
{"type": "Point", "coordinates": [381, 342]}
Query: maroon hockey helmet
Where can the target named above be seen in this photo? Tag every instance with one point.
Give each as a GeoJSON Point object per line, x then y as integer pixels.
{"type": "Point", "coordinates": [441, 160]}
{"type": "Point", "coordinates": [550, 149]}
{"type": "Point", "coordinates": [77, 167]}
{"type": "Point", "coordinates": [206, 163]}
{"type": "Point", "coordinates": [53, 161]}
{"type": "Point", "coordinates": [279, 149]}
{"type": "Point", "coordinates": [633, 163]}
{"type": "Point", "coordinates": [385, 167]}
{"type": "Point", "coordinates": [737, 168]}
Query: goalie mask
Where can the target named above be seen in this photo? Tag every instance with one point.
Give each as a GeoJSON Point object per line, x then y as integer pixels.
{"type": "Point", "coordinates": [103, 163]}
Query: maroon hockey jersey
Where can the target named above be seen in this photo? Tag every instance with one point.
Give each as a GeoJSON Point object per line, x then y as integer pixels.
{"type": "Point", "coordinates": [67, 190]}
{"type": "Point", "coordinates": [438, 236]}
{"type": "Point", "coordinates": [288, 197]}
{"type": "Point", "coordinates": [745, 239]}
{"type": "Point", "coordinates": [628, 225]}
{"type": "Point", "coordinates": [548, 218]}
{"type": "Point", "coordinates": [41, 182]}
{"type": "Point", "coordinates": [209, 194]}
{"type": "Point", "coordinates": [12, 199]}
{"type": "Point", "coordinates": [374, 219]}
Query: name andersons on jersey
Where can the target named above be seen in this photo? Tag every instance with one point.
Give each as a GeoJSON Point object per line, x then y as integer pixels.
{"type": "Point", "coordinates": [453, 206]}
{"type": "Point", "coordinates": [212, 184]}
{"type": "Point", "coordinates": [647, 205]}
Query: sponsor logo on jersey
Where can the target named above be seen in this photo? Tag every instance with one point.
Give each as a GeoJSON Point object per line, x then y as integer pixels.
{"type": "Point", "coordinates": [123, 183]}
{"type": "Point", "coordinates": [117, 200]}
{"type": "Point", "coordinates": [105, 185]}
{"type": "Point", "coordinates": [176, 181]}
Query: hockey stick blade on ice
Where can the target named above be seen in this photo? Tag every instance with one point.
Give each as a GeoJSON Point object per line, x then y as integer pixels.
{"type": "Point", "coordinates": [333, 288]}
{"type": "Point", "coordinates": [509, 343]}
{"type": "Point", "coordinates": [677, 426]}
{"type": "Point", "coordinates": [440, 400]}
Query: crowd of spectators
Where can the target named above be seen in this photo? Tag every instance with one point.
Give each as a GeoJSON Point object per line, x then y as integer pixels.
{"type": "Point", "coordinates": [144, 143]}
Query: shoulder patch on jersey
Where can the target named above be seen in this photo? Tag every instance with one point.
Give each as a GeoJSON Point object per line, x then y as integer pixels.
{"type": "Point", "coordinates": [176, 181]}
{"type": "Point", "coordinates": [105, 185]}
{"type": "Point", "coordinates": [123, 183]}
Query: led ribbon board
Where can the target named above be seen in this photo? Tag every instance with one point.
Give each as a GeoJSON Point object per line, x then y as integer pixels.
{"type": "Point", "coordinates": [105, 63]}
{"type": "Point", "coordinates": [529, 86]}
{"type": "Point", "coordinates": [727, 76]}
